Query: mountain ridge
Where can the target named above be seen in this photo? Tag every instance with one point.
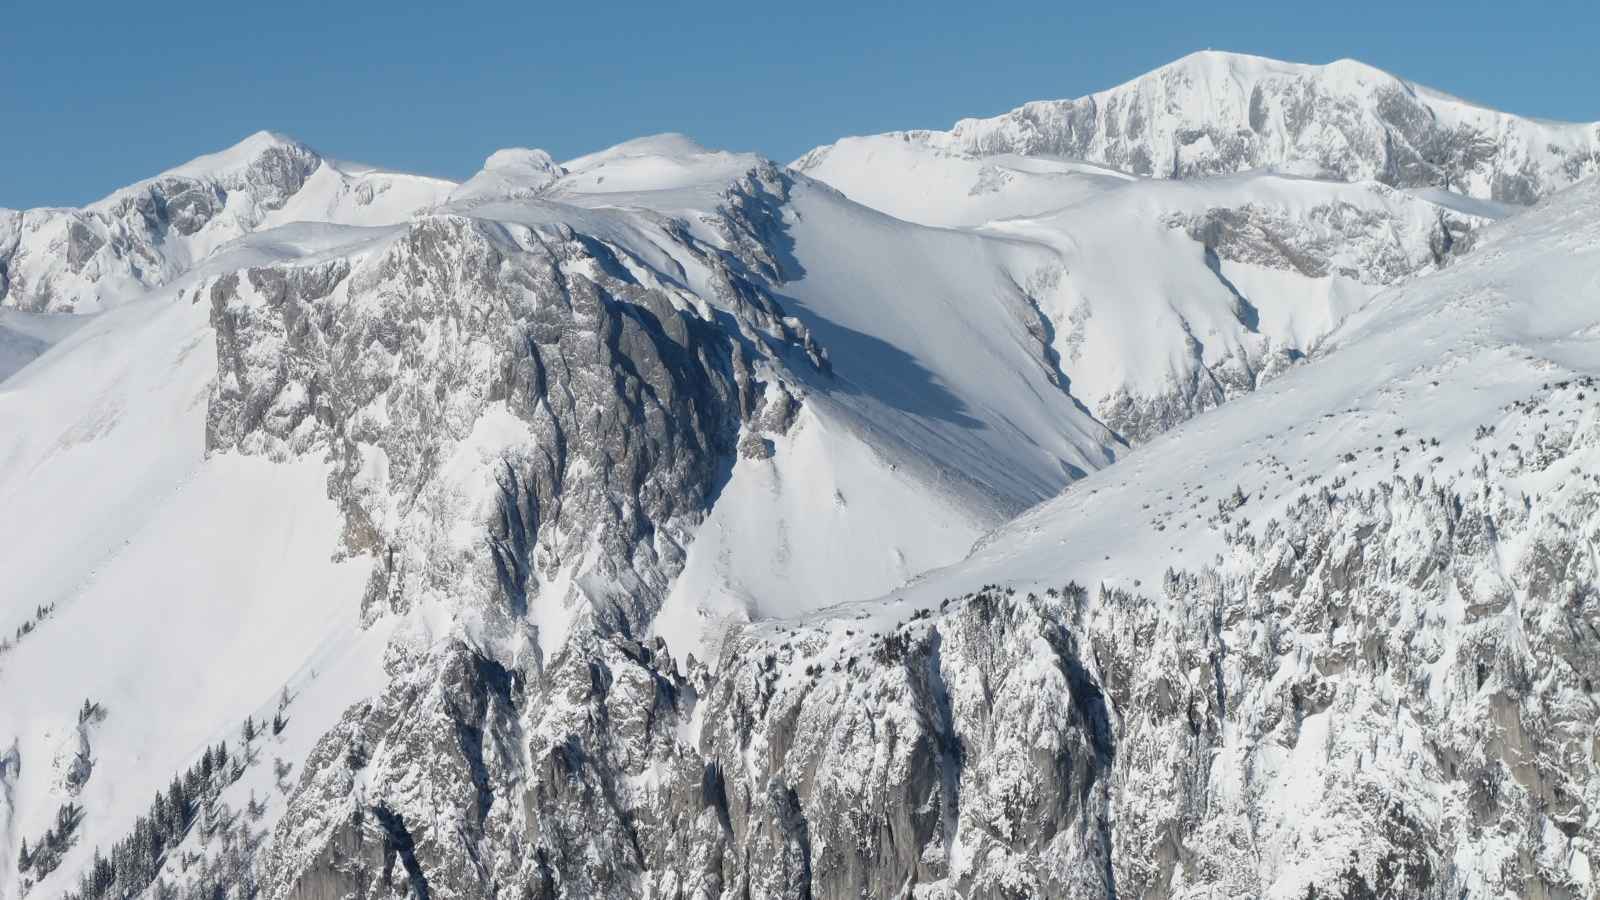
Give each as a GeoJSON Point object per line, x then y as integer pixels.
{"type": "Point", "coordinates": [668, 523]}
{"type": "Point", "coordinates": [1212, 113]}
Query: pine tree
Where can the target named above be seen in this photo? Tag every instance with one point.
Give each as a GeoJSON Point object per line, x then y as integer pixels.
{"type": "Point", "coordinates": [159, 814]}
{"type": "Point", "coordinates": [67, 819]}
{"type": "Point", "coordinates": [280, 771]}
{"type": "Point", "coordinates": [178, 799]}
{"type": "Point", "coordinates": [23, 861]}
{"type": "Point", "coordinates": [249, 729]}
{"type": "Point", "coordinates": [278, 723]}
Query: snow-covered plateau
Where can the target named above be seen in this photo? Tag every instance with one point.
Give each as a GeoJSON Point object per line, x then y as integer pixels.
{"type": "Point", "coordinates": [1190, 490]}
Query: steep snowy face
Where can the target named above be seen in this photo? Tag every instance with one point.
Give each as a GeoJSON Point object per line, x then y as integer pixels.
{"type": "Point", "coordinates": [574, 367]}
{"type": "Point", "coordinates": [636, 394]}
{"type": "Point", "coordinates": [143, 236]}
{"type": "Point", "coordinates": [1169, 297]}
{"type": "Point", "coordinates": [1175, 297]}
{"type": "Point", "coordinates": [516, 421]}
{"type": "Point", "coordinates": [598, 530]}
{"type": "Point", "coordinates": [1335, 639]}
{"type": "Point", "coordinates": [1182, 285]}
{"type": "Point", "coordinates": [1215, 113]}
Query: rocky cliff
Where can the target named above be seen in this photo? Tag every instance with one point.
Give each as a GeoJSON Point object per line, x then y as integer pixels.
{"type": "Point", "coordinates": [1335, 638]}
{"type": "Point", "coordinates": [1213, 113]}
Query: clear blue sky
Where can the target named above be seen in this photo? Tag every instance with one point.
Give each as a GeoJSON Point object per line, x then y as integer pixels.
{"type": "Point", "coordinates": [94, 95]}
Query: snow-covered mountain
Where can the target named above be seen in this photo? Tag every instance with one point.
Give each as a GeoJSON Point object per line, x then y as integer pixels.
{"type": "Point", "coordinates": [1337, 639]}
{"type": "Point", "coordinates": [669, 523]}
{"type": "Point", "coordinates": [1301, 190]}
{"type": "Point", "coordinates": [1214, 113]}
{"type": "Point", "coordinates": [1169, 297]}
{"type": "Point", "coordinates": [142, 236]}
{"type": "Point", "coordinates": [643, 395]}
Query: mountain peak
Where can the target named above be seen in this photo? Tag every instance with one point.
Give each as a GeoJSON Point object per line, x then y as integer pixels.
{"type": "Point", "coordinates": [673, 166]}
{"type": "Point", "coordinates": [521, 158]}
{"type": "Point", "coordinates": [510, 172]}
{"type": "Point", "coordinates": [1230, 58]}
{"type": "Point", "coordinates": [667, 145]}
{"type": "Point", "coordinates": [242, 155]}
{"type": "Point", "coordinates": [1216, 112]}
{"type": "Point", "coordinates": [1251, 62]}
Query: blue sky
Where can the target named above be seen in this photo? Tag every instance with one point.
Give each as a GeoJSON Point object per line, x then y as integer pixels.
{"type": "Point", "coordinates": [95, 95]}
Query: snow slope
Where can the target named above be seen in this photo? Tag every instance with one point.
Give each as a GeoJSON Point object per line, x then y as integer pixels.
{"type": "Point", "coordinates": [24, 336]}
{"type": "Point", "coordinates": [462, 474]}
{"type": "Point", "coordinates": [1362, 593]}
{"type": "Point", "coordinates": [918, 181]}
{"type": "Point", "coordinates": [939, 412]}
{"type": "Point", "coordinates": [905, 411]}
{"type": "Point", "coordinates": [183, 592]}
{"type": "Point", "coordinates": [1438, 356]}
{"type": "Point", "coordinates": [1177, 295]}
{"type": "Point", "coordinates": [1168, 297]}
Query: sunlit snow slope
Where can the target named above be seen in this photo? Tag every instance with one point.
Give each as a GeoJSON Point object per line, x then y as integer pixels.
{"type": "Point", "coordinates": [1184, 491]}
{"type": "Point", "coordinates": [180, 591]}
{"type": "Point", "coordinates": [1331, 614]}
{"type": "Point", "coordinates": [1168, 297]}
{"type": "Point", "coordinates": [174, 557]}
{"type": "Point", "coordinates": [1213, 113]}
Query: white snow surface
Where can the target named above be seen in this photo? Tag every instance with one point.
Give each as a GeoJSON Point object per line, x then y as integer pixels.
{"type": "Point", "coordinates": [973, 310]}
{"type": "Point", "coordinates": [1437, 356]}
{"type": "Point", "coordinates": [941, 417]}
{"type": "Point", "coordinates": [1134, 306]}
{"type": "Point", "coordinates": [187, 591]}
{"type": "Point", "coordinates": [1194, 114]}
{"type": "Point", "coordinates": [1402, 391]}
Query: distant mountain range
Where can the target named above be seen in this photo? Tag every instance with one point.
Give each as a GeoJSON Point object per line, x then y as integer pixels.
{"type": "Point", "coordinates": [1214, 113]}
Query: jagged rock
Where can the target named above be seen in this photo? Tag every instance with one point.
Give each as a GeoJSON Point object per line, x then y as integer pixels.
{"type": "Point", "coordinates": [1379, 689]}
{"type": "Point", "coordinates": [149, 234]}
{"type": "Point", "coordinates": [1213, 113]}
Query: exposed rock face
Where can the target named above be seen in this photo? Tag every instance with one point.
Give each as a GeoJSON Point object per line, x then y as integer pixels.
{"type": "Point", "coordinates": [1379, 691]}
{"type": "Point", "coordinates": [1371, 246]}
{"type": "Point", "coordinates": [1087, 743]}
{"type": "Point", "coordinates": [520, 378]}
{"type": "Point", "coordinates": [1439, 727]}
{"type": "Point", "coordinates": [527, 433]}
{"type": "Point", "coordinates": [1202, 385]}
{"type": "Point", "coordinates": [62, 260]}
{"type": "Point", "coordinates": [804, 780]}
{"type": "Point", "coordinates": [1330, 239]}
{"type": "Point", "coordinates": [144, 236]}
{"type": "Point", "coordinates": [1214, 113]}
